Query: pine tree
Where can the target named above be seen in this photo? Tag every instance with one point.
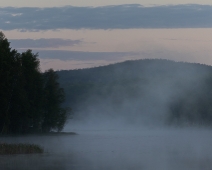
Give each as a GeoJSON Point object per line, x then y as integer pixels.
{"type": "Point", "coordinates": [54, 115]}
{"type": "Point", "coordinates": [30, 101]}
{"type": "Point", "coordinates": [8, 80]}
{"type": "Point", "coordinates": [27, 99]}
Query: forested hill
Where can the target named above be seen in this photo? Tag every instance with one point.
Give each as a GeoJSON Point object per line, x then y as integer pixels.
{"type": "Point", "coordinates": [177, 92]}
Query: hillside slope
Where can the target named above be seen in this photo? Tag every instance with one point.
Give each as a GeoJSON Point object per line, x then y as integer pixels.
{"type": "Point", "coordinates": [142, 91]}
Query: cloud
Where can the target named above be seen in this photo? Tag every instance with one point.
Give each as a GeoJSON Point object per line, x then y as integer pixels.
{"type": "Point", "coordinates": [57, 64]}
{"type": "Point", "coordinates": [107, 17]}
{"type": "Point", "coordinates": [83, 56]}
{"type": "Point", "coordinates": [43, 43]}
{"type": "Point", "coordinates": [65, 60]}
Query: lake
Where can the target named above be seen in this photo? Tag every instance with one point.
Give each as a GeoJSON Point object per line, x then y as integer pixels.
{"type": "Point", "coordinates": [117, 149]}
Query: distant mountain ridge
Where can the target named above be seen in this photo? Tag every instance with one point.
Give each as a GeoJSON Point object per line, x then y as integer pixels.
{"type": "Point", "coordinates": [141, 91]}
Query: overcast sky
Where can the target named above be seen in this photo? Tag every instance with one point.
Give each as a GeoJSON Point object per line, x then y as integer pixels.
{"type": "Point", "coordinates": [91, 33]}
{"type": "Point", "coordinates": [54, 3]}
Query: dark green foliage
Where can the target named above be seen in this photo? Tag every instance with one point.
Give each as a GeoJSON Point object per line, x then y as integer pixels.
{"type": "Point", "coordinates": [26, 103]}
{"type": "Point", "coordinates": [54, 115]}
{"type": "Point", "coordinates": [8, 149]}
{"type": "Point", "coordinates": [25, 106]}
{"type": "Point", "coordinates": [8, 69]}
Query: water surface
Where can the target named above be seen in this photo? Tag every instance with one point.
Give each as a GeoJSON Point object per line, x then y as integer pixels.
{"type": "Point", "coordinates": [129, 148]}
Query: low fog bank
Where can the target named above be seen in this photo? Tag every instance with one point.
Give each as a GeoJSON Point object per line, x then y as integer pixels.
{"type": "Point", "coordinates": [143, 93]}
{"type": "Point", "coordinates": [146, 148]}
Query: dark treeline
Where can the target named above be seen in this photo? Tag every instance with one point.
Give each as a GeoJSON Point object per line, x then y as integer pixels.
{"type": "Point", "coordinates": [30, 101]}
{"type": "Point", "coordinates": [182, 91]}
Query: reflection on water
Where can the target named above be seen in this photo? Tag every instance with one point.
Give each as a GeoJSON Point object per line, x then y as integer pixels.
{"type": "Point", "coordinates": [34, 162]}
{"type": "Point", "coordinates": [117, 149]}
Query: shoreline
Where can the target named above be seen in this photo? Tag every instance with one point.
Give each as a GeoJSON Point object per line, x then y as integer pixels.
{"type": "Point", "coordinates": [40, 134]}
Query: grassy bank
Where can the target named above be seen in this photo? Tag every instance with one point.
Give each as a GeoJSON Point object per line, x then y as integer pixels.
{"type": "Point", "coordinates": [39, 134]}
{"type": "Point", "coordinates": [19, 149]}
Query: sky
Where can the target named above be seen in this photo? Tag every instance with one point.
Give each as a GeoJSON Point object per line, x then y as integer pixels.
{"type": "Point", "coordinates": [75, 34]}
{"type": "Point", "coordinates": [95, 3]}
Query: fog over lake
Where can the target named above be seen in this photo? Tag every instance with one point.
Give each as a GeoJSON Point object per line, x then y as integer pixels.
{"type": "Point", "coordinates": [70, 35]}
{"type": "Point", "coordinates": [117, 147]}
{"type": "Point", "coordinates": [131, 133]}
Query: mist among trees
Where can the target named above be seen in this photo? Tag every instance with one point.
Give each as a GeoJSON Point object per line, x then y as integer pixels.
{"type": "Point", "coordinates": [30, 101]}
{"type": "Point", "coordinates": [149, 91]}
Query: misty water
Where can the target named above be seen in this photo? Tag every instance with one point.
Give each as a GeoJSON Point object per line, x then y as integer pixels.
{"type": "Point", "coordinates": [116, 147]}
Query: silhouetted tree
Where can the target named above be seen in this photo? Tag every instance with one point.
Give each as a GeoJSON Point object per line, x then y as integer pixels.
{"type": "Point", "coordinates": [54, 115]}
{"type": "Point", "coordinates": [27, 98]}
{"type": "Point", "coordinates": [8, 68]}
{"type": "Point", "coordinates": [30, 101]}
